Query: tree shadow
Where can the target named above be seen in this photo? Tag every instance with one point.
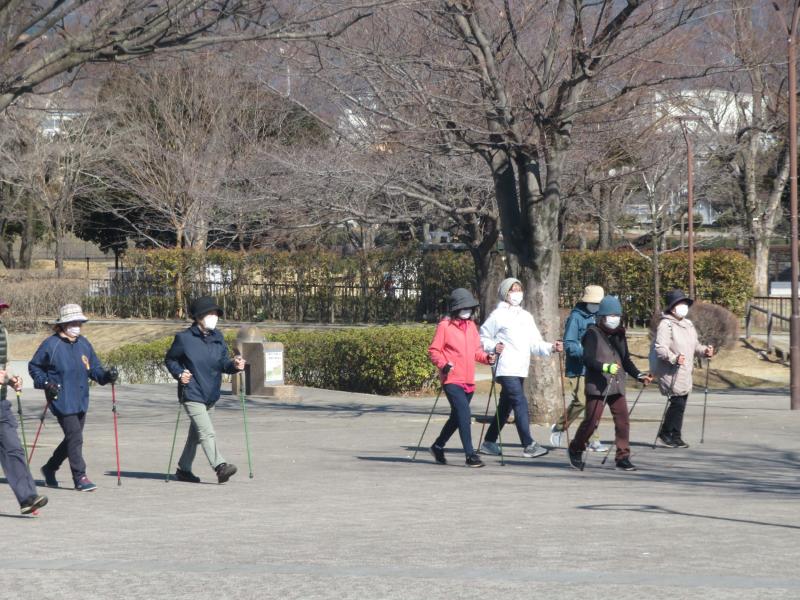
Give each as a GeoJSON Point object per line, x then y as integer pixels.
{"type": "Point", "coordinates": [660, 510]}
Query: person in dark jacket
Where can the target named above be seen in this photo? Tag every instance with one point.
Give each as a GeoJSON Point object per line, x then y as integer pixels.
{"type": "Point", "coordinates": [62, 367]}
{"type": "Point", "coordinates": [197, 359]}
{"type": "Point", "coordinates": [12, 456]}
{"type": "Point", "coordinates": [606, 357]}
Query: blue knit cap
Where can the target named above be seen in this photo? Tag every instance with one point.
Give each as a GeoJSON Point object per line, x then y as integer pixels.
{"type": "Point", "coordinates": [609, 305]}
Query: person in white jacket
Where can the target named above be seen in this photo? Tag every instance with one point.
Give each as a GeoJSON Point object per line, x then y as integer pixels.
{"type": "Point", "coordinates": [511, 332]}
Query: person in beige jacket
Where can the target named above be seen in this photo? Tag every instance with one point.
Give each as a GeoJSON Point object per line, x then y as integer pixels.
{"type": "Point", "coordinates": [675, 347]}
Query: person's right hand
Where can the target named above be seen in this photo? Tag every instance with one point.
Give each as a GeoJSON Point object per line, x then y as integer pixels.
{"type": "Point", "coordinates": [680, 360]}
{"type": "Point", "coordinates": [186, 377]}
{"type": "Point", "coordinates": [498, 349]}
{"type": "Point", "coordinates": [446, 369]}
{"type": "Point", "coordinates": [51, 389]}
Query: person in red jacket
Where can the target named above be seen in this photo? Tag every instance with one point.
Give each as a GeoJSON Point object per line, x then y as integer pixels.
{"type": "Point", "coordinates": [455, 347]}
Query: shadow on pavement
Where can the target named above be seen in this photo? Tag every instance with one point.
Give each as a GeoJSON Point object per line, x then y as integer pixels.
{"type": "Point", "coordinates": [148, 475]}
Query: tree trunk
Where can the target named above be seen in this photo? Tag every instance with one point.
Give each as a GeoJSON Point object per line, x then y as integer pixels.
{"type": "Point", "coordinates": [489, 272]}
{"type": "Point", "coordinates": [605, 219]}
{"type": "Point", "coordinates": [761, 265]}
{"type": "Point", "coordinates": [28, 238]}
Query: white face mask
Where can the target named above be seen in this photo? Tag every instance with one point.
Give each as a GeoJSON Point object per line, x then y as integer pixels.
{"type": "Point", "coordinates": [465, 314]}
{"type": "Point", "coordinates": [681, 310]}
{"type": "Point", "coordinates": [613, 321]}
{"type": "Point", "coordinates": [210, 322]}
{"type": "Point", "coordinates": [592, 307]}
{"type": "Point", "coordinates": [515, 298]}
{"type": "Point", "coordinates": [73, 331]}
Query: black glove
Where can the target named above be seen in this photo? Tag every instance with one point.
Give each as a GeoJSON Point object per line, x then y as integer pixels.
{"type": "Point", "coordinates": [112, 375]}
{"type": "Point", "coordinates": [446, 368]}
{"type": "Point", "coordinates": [51, 390]}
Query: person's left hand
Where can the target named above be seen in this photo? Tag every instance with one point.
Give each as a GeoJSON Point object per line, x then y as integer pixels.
{"type": "Point", "coordinates": [646, 379]}
{"type": "Point", "coordinates": [492, 358]}
{"type": "Point", "coordinates": [709, 351]}
{"type": "Point", "coordinates": [112, 375]}
{"type": "Point", "coordinates": [238, 363]}
{"type": "Point", "coordinates": [558, 346]}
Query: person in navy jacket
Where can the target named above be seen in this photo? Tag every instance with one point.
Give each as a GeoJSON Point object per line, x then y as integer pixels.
{"type": "Point", "coordinates": [197, 359]}
{"type": "Point", "coordinates": [62, 367]}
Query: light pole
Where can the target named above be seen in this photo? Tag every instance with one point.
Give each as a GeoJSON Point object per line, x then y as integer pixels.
{"type": "Point", "coordinates": [690, 194]}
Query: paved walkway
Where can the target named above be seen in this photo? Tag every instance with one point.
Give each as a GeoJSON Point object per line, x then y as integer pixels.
{"type": "Point", "coordinates": [338, 510]}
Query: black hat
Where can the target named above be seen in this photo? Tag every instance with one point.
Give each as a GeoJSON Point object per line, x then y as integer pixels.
{"type": "Point", "coordinates": [461, 298]}
{"type": "Point", "coordinates": [202, 306]}
{"type": "Point", "coordinates": [676, 296]}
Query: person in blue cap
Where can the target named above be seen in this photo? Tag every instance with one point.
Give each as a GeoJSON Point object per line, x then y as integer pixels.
{"type": "Point", "coordinates": [606, 357]}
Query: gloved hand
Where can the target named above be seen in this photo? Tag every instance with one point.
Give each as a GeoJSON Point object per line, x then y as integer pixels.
{"type": "Point", "coordinates": [611, 368]}
{"type": "Point", "coordinates": [51, 390]}
{"type": "Point", "coordinates": [112, 375]}
{"type": "Point", "coordinates": [446, 368]}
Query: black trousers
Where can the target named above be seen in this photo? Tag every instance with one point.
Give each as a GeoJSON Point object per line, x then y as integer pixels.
{"type": "Point", "coordinates": [673, 420]}
{"type": "Point", "coordinates": [71, 447]}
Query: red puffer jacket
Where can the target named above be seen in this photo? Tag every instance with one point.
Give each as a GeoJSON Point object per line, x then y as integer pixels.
{"type": "Point", "coordinates": [457, 342]}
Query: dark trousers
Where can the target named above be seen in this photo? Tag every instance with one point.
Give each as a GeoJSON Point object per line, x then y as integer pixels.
{"type": "Point", "coordinates": [459, 418]}
{"type": "Point", "coordinates": [594, 412]}
{"type": "Point", "coordinates": [12, 456]}
{"type": "Point", "coordinates": [673, 419]}
{"type": "Point", "coordinates": [70, 447]}
{"type": "Point", "coordinates": [512, 396]}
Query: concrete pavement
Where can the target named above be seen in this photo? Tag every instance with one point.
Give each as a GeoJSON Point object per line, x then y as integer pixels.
{"type": "Point", "coordinates": [338, 510]}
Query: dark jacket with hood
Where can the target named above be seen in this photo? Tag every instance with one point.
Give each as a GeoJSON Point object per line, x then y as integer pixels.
{"type": "Point", "coordinates": [205, 356]}
{"type": "Point", "coordinates": [602, 347]}
{"type": "Point", "coordinates": [578, 323]}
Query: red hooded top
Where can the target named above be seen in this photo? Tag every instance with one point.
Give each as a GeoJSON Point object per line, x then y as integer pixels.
{"type": "Point", "coordinates": [457, 342]}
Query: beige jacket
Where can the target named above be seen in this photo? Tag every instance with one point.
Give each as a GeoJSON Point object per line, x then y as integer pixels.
{"type": "Point", "coordinates": [674, 337]}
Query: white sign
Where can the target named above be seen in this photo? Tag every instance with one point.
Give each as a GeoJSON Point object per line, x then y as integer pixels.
{"type": "Point", "coordinates": [273, 367]}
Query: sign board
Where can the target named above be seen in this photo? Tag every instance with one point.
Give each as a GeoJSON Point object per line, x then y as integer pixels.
{"type": "Point", "coordinates": [273, 365]}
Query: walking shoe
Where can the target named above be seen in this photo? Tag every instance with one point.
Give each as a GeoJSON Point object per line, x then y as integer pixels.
{"type": "Point", "coordinates": [556, 435]}
{"type": "Point", "coordinates": [474, 461]}
{"type": "Point", "coordinates": [225, 471]}
{"type": "Point", "coordinates": [575, 459]}
{"type": "Point", "coordinates": [186, 476]}
{"type": "Point", "coordinates": [534, 451]}
{"type": "Point", "coordinates": [490, 448]}
{"type": "Point", "coordinates": [49, 477]}
{"type": "Point", "coordinates": [597, 446]}
{"type": "Point", "coordinates": [438, 454]}
{"type": "Point", "coordinates": [31, 504]}
{"type": "Point", "coordinates": [679, 443]}
{"type": "Point", "coordinates": [84, 485]}
{"type": "Point", "coordinates": [625, 464]}
{"type": "Point", "coordinates": [667, 440]}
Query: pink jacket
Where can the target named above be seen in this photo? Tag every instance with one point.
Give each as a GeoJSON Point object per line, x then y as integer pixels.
{"type": "Point", "coordinates": [459, 345]}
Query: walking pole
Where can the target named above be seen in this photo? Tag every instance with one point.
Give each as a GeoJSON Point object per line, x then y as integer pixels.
{"type": "Point", "coordinates": [39, 430]}
{"type": "Point", "coordinates": [705, 402]}
{"type": "Point", "coordinates": [244, 414]}
{"type": "Point", "coordinates": [21, 422]}
{"type": "Point", "coordinates": [175, 435]}
{"type": "Point", "coordinates": [630, 412]}
{"type": "Point", "coordinates": [116, 432]}
{"type": "Point", "coordinates": [488, 402]}
{"type": "Point", "coordinates": [563, 394]}
{"type": "Point", "coordinates": [499, 433]}
{"type": "Point", "coordinates": [435, 402]}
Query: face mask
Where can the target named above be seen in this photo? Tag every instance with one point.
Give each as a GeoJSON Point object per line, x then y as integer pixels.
{"type": "Point", "coordinates": [681, 310]}
{"type": "Point", "coordinates": [73, 331]}
{"type": "Point", "coordinates": [613, 321]}
{"type": "Point", "coordinates": [593, 308]}
{"type": "Point", "coordinates": [210, 322]}
{"type": "Point", "coordinates": [515, 298]}
{"type": "Point", "coordinates": [465, 314]}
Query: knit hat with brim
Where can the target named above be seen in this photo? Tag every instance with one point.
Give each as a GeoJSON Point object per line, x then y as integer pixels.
{"type": "Point", "coordinates": [69, 313]}
{"type": "Point", "coordinates": [203, 306]}
{"type": "Point", "coordinates": [505, 286]}
{"type": "Point", "coordinates": [593, 294]}
{"type": "Point", "coordinates": [675, 297]}
{"type": "Point", "coordinates": [610, 305]}
{"type": "Point", "coordinates": [461, 298]}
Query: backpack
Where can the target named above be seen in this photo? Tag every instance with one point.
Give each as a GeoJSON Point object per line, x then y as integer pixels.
{"type": "Point", "coordinates": [655, 362]}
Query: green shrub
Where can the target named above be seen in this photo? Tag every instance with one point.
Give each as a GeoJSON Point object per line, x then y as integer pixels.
{"type": "Point", "coordinates": [374, 360]}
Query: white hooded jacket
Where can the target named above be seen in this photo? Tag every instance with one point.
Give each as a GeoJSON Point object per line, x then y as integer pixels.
{"type": "Point", "coordinates": [514, 327]}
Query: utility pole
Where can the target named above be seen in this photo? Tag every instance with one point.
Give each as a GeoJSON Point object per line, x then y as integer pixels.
{"type": "Point", "coordinates": [689, 194]}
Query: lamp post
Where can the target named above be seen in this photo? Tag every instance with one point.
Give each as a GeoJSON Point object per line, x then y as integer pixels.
{"type": "Point", "coordinates": [690, 194]}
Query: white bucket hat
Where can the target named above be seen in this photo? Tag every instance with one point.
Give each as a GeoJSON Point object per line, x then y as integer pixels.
{"type": "Point", "coordinates": [70, 313]}
{"type": "Point", "coordinates": [593, 294]}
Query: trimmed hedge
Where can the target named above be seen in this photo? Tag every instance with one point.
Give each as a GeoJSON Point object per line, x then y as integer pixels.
{"type": "Point", "coordinates": [373, 360]}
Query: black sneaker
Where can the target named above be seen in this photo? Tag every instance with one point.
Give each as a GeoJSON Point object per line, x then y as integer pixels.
{"type": "Point", "coordinates": [667, 440]}
{"type": "Point", "coordinates": [438, 454]}
{"type": "Point", "coordinates": [225, 471]}
{"type": "Point", "coordinates": [49, 477]}
{"type": "Point", "coordinates": [625, 464]}
{"type": "Point", "coordinates": [473, 460]}
{"type": "Point", "coordinates": [575, 459]}
{"type": "Point", "coordinates": [679, 443]}
{"type": "Point", "coordinates": [186, 476]}
{"type": "Point", "coordinates": [32, 504]}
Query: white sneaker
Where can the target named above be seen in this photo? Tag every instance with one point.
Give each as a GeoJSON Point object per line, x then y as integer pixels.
{"type": "Point", "coordinates": [555, 436]}
{"type": "Point", "coordinates": [534, 451]}
{"type": "Point", "coordinates": [597, 446]}
{"type": "Point", "coordinates": [490, 448]}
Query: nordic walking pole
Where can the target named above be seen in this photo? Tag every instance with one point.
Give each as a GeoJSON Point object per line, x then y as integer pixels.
{"type": "Point", "coordinates": [497, 414]}
{"type": "Point", "coordinates": [39, 430]}
{"type": "Point", "coordinates": [244, 414]}
{"type": "Point", "coordinates": [175, 435]}
{"type": "Point", "coordinates": [563, 394]}
{"type": "Point", "coordinates": [435, 402]}
{"type": "Point", "coordinates": [488, 402]}
{"type": "Point", "coordinates": [116, 432]}
{"type": "Point", "coordinates": [630, 412]}
{"type": "Point", "coordinates": [705, 402]}
{"type": "Point", "coordinates": [21, 422]}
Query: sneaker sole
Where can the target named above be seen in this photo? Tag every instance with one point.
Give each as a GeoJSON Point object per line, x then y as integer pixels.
{"type": "Point", "coordinates": [33, 508]}
{"type": "Point", "coordinates": [627, 469]}
{"type": "Point", "coordinates": [86, 490]}
{"type": "Point", "coordinates": [544, 452]}
{"type": "Point", "coordinates": [476, 466]}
